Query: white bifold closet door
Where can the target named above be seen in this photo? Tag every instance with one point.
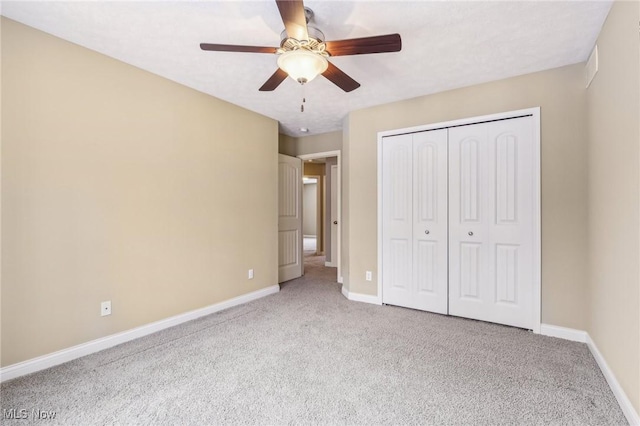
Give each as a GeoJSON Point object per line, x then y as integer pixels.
{"type": "Point", "coordinates": [491, 221]}
{"type": "Point", "coordinates": [458, 221]}
{"type": "Point", "coordinates": [414, 217]}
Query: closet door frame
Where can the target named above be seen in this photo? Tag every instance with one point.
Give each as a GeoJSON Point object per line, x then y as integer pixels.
{"type": "Point", "coordinates": [537, 256]}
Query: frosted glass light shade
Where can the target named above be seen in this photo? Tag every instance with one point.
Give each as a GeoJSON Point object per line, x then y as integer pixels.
{"type": "Point", "coordinates": [302, 65]}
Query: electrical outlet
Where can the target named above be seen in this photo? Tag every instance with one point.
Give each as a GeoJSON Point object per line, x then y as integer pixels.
{"type": "Point", "coordinates": [368, 275]}
{"type": "Point", "coordinates": [250, 274]}
{"type": "Point", "coordinates": [105, 308]}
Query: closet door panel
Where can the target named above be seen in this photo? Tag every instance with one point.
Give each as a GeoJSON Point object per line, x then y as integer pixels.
{"type": "Point", "coordinates": [397, 220]}
{"type": "Point", "coordinates": [468, 221]}
{"type": "Point", "coordinates": [511, 228]}
{"type": "Point", "coordinates": [491, 222]}
{"type": "Point", "coordinates": [430, 221]}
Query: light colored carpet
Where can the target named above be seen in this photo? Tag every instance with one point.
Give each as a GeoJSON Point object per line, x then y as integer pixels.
{"type": "Point", "coordinates": [307, 355]}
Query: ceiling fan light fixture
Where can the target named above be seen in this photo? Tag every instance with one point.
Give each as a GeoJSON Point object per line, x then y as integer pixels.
{"type": "Point", "coordinates": [302, 65]}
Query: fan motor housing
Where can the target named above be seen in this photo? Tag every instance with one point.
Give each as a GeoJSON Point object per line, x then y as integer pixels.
{"type": "Point", "coordinates": [316, 37]}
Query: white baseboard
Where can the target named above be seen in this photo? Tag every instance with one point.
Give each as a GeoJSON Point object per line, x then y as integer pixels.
{"type": "Point", "coordinates": [563, 333]}
{"type": "Point", "coordinates": [358, 297]}
{"type": "Point", "coordinates": [345, 292]}
{"type": "Point", "coordinates": [330, 264]}
{"type": "Point", "coordinates": [40, 363]}
{"type": "Point", "coordinates": [625, 404]}
{"type": "Point", "coordinates": [583, 337]}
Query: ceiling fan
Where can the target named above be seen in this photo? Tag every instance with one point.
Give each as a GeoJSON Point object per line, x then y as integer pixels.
{"type": "Point", "coordinates": [303, 52]}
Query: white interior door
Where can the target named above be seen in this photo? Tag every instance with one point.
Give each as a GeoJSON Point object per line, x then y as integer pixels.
{"type": "Point", "coordinates": [414, 220]}
{"type": "Point", "coordinates": [289, 218]}
{"type": "Point", "coordinates": [334, 216]}
{"type": "Point", "coordinates": [491, 223]}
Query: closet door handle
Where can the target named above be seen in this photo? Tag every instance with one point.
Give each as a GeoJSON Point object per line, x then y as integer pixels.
{"type": "Point", "coordinates": [335, 222]}
{"type": "Point", "coordinates": [470, 234]}
{"type": "Point", "coordinates": [426, 232]}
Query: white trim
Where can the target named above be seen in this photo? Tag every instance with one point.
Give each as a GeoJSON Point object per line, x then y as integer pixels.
{"type": "Point", "coordinates": [334, 263]}
{"type": "Point", "coordinates": [315, 155]}
{"type": "Point", "coordinates": [591, 68]}
{"type": "Point", "coordinates": [537, 243]}
{"type": "Point", "coordinates": [625, 404]}
{"type": "Point", "coordinates": [379, 272]}
{"type": "Point", "coordinates": [583, 337]}
{"type": "Point", "coordinates": [338, 255]}
{"type": "Point", "coordinates": [329, 264]}
{"type": "Point", "coordinates": [366, 298]}
{"type": "Point", "coordinates": [359, 297]}
{"type": "Point", "coordinates": [537, 230]}
{"type": "Point", "coordinates": [74, 352]}
{"type": "Point", "coordinates": [461, 122]}
{"type": "Point", "coordinates": [563, 333]}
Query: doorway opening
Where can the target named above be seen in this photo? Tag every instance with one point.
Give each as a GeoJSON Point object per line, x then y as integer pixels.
{"type": "Point", "coordinates": [312, 212]}
{"type": "Point", "coordinates": [321, 210]}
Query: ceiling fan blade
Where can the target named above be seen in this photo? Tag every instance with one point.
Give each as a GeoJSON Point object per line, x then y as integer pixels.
{"type": "Point", "coordinates": [295, 21]}
{"type": "Point", "coordinates": [340, 79]}
{"type": "Point", "coordinates": [236, 48]}
{"type": "Point", "coordinates": [364, 45]}
{"type": "Point", "coordinates": [274, 81]}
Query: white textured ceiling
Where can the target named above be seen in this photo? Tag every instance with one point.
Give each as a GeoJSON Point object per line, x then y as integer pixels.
{"type": "Point", "coordinates": [445, 45]}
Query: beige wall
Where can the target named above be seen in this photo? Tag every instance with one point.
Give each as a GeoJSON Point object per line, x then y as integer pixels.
{"type": "Point", "coordinates": [314, 169]}
{"type": "Point", "coordinates": [312, 144]}
{"type": "Point", "coordinates": [319, 143]}
{"type": "Point", "coordinates": [286, 145]}
{"type": "Point", "coordinates": [310, 209]}
{"type": "Point", "coordinates": [120, 185]}
{"type": "Point", "coordinates": [613, 113]}
{"type": "Point", "coordinates": [560, 94]}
